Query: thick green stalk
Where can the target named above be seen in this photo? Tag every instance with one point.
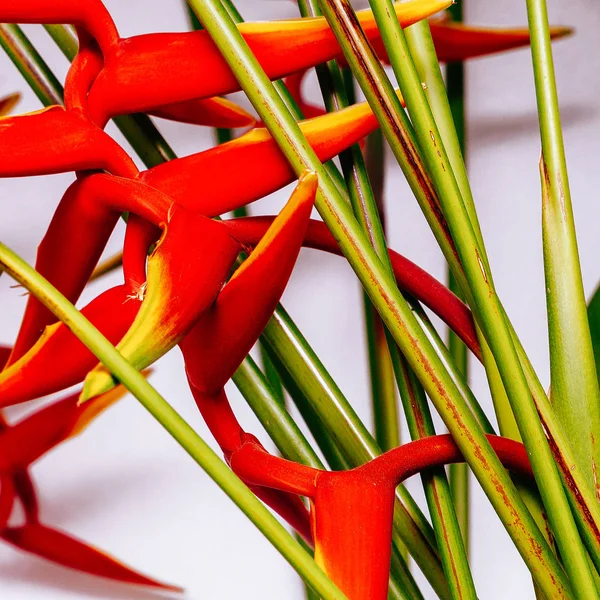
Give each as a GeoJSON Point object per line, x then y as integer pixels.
{"type": "Point", "coordinates": [583, 501]}
{"type": "Point", "coordinates": [383, 384]}
{"type": "Point", "coordinates": [575, 392]}
{"type": "Point", "coordinates": [487, 307]}
{"type": "Point", "coordinates": [386, 297]}
{"type": "Point", "coordinates": [164, 413]}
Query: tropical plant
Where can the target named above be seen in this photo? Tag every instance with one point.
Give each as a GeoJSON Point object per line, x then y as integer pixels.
{"type": "Point", "coordinates": [210, 284]}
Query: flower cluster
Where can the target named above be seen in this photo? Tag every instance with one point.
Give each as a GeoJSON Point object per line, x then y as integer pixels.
{"type": "Point", "coordinates": [177, 285]}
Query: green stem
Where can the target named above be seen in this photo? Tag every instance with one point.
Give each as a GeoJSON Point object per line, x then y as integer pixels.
{"type": "Point", "coordinates": [437, 489]}
{"type": "Point", "coordinates": [282, 429]}
{"type": "Point", "coordinates": [575, 392]}
{"type": "Point", "coordinates": [164, 413]}
{"type": "Point", "coordinates": [455, 85]}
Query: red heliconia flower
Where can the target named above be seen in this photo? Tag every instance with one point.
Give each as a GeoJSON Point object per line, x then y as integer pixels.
{"type": "Point", "coordinates": [55, 140]}
{"type": "Point", "coordinates": [30, 377]}
{"type": "Point", "coordinates": [352, 511]}
{"type": "Point", "coordinates": [190, 301]}
{"type": "Point", "coordinates": [90, 208]}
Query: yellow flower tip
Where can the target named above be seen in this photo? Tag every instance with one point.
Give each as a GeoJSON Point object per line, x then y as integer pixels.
{"type": "Point", "coordinates": [309, 179]}
{"type": "Point", "coordinates": [99, 381]}
{"type": "Point", "coordinates": [8, 103]}
{"type": "Point", "coordinates": [560, 31]}
{"type": "Point", "coordinates": [440, 5]}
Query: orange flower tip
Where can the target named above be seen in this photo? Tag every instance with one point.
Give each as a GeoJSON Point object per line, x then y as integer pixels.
{"type": "Point", "coordinates": [98, 381]}
{"type": "Point", "coordinates": [8, 103]}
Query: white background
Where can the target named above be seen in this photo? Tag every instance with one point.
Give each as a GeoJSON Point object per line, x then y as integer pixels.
{"type": "Point", "coordinates": [128, 488]}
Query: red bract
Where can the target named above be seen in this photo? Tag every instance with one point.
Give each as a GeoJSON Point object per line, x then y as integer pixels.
{"type": "Point", "coordinates": [249, 155]}
{"type": "Point", "coordinates": [23, 443]}
{"type": "Point", "coordinates": [410, 277]}
{"type": "Point", "coordinates": [214, 112]}
{"type": "Point", "coordinates": [352, 511]}
{"type": "Point", "coordinates": [68, 551]}
{"type": "Point", "coordinates": [90, 16]}
{"type": "Point", "coordinates": [214, 311]}
{"type": "Point", "coordinates": [130, 81]}
{"type": "Point", "coordinates": [55, 140]}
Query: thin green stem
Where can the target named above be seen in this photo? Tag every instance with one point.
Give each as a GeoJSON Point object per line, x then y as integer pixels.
{"type": "Point", "coordinates": [282, 429]}
{"type": "Point", "coordinates": [164, 413]}
{"type": "Point", "coordinates": [455, 85]}
{"type": "Point", "coordinates": [30, 64]}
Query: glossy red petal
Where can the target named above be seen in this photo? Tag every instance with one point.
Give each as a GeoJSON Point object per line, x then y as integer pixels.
{"type": "Point", "coordinates": [186, 271]}
{"type": "Point", "coordinates": [410, 277]}
{"type": "Point", "coordinates": [90, 15]}
{"type": "Point", "coordinates": [260, 166]}
{"type": "Point", "coordinates": [76, 238]}
{"type": "Point", "coordinates": [457, 42]}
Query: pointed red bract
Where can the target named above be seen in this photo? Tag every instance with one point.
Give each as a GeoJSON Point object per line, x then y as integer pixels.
{"type": "Point", "coordinates": [220, 340]}
{"type": "Point", "coordinates": [63, 549]}
{"type": "Point", "coordinates": [130, 81]}
{"type": "Point", "coordinates": [59, 360]}
{"type": "Point", "coordinates": [55, 140]}
{"type": "Point", "coordinates": [410, 277]}
{"type": "Point", "coordinates": [260, 166]}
